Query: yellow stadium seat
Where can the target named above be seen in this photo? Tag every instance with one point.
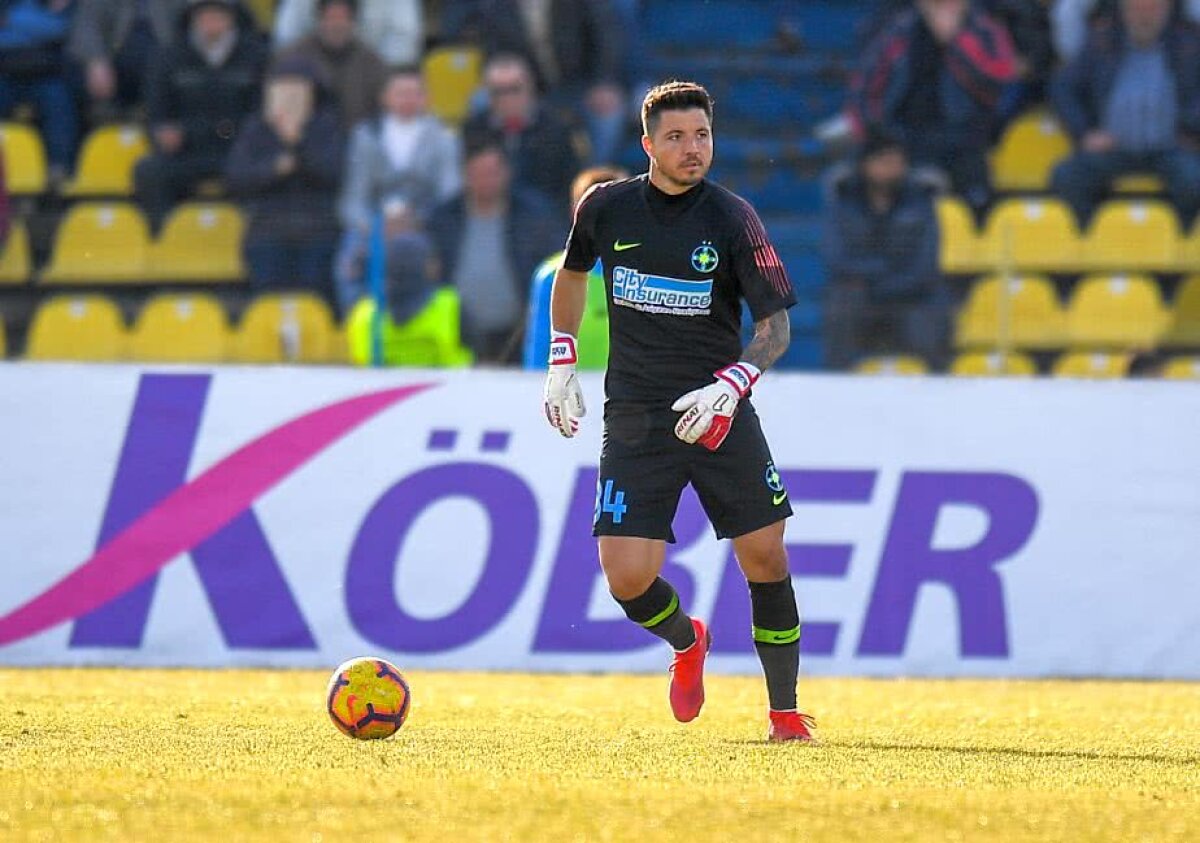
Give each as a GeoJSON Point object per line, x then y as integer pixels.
{"type": "Point", "coordinates": [1116, 311]}
{"type": "Point", "coordinates": [106, 162]}
{"type": "Point", "coordinates": [1086, 364]}
{"type": "Point", "coordinates": [1025, 157]}
{"type": "Point", "coordinates": [451, 77]}
{"type": "Point", "coordinates": [264, 13]}
{"type": "Point", "coordinates": [901, 364]}
{"type": "Point", "coordinates": [24, 159]}
{"type": "Point", "coordinates": [1138, 183]}
{"type": "Point", "coordinates": [1184, 328]}
{"type": "Point", "coordinates": [431, 338]}
{"type": "Point", "coordinates": [15, 260]}
{"type": "Point", "coordinates": [181, 328]}
{"type": "Point", "coordinates": [1133, 236]}
{"type": "Point", "coordinates": [283, 328]}
{"type": "Point", "coordinates": [1182, 369]}
{"type": "Point", "coordinates": [1189, 257]}
{"type": "Point", "coordinates": [980, 364]}
{"type": "Point", "coordinates": [77, 328]}
{"type": "Point", "coordinates": [962, 249]}
{"type": "Point", "coordinates": [1033, 234]}
{"type": "Point", "coordinates": [99, 242]}
{"type": "Point", "coordinates": [1022, 312]}
{"type": "Point", "coordinates": [200, 241]}
{"type": "Point", "coordinates": [3, 339]}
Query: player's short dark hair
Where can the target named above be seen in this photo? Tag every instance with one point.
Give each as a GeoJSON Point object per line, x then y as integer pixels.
{"type": "Point", "coordinates": [322, 5]}
{"type": "Point", "coordinates": [673, 96]}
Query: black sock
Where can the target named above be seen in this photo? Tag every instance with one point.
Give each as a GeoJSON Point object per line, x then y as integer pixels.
{"type": "Point", "coordinates": [777, 639]}
{"type": "Point", "coordinates": [658, 611]}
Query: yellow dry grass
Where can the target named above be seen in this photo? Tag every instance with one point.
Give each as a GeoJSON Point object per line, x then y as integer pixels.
{"type": "Point", "coordinates": [248, 755]}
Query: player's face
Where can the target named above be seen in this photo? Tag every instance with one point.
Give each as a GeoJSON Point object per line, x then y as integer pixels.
{"type": "Point", "coordinates": [681, 148]}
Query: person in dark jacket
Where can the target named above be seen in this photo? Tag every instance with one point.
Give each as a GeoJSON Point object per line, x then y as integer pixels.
{"type": "Point", "coordinates": [1131, 101]}
{"type": "Point", "coordinates": [935, 77]}
{"type": "Point", "coordinates": [285, 166]}
{"type": "Point", "coordinates": [34, 70]}
{"type": "Point", "coordinates": [537, 141]}
{"type": "Point", "coordinates": [114, 41]}
{"type": "Point", "coordinates": [199, 92]}
{"type": "Point", "coordinates": [576, 48]}
{"type": "Point", "coordinates": [880, 243]}
{"type": "Point", "coordinates": [488, 242]}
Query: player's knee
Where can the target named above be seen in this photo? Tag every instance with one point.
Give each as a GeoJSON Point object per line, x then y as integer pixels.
{"type": "Point", "coordinates": [764, 564]}
{"type": "Point", "coordinates": [628, 582]}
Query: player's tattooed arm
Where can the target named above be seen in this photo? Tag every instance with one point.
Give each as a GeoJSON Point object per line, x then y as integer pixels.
{"type": "Point", "coordinates": [771, 338]}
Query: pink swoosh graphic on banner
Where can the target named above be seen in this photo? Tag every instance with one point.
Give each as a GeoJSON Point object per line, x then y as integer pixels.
{"type": "Point", "coordinates": [195, 511]}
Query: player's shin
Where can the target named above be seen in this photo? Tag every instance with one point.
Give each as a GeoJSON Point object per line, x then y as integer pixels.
{"type": "Point", "coordinates": [776, 621]}
{"type": "Point", "coordinates": [658, 611]}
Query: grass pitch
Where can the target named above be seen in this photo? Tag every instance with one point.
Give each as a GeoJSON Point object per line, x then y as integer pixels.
{"type": "Point", "coordinates": [250, 755]}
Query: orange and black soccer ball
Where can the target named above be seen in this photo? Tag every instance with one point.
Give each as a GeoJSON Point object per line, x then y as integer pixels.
{"type": "Point", "coordinates": [368, 699]}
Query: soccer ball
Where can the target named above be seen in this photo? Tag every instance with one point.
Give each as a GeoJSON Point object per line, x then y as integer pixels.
{"type": "Point", "coordinates": [368, 699]}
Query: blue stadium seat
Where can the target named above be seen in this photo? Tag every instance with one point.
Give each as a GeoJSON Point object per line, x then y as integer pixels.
{"type": "Point", "coordinates": [698, 24]}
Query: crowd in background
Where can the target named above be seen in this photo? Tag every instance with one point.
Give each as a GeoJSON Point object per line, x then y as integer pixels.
{"type": "Point", "coordinates": [320, 129]}
{"type": "Point", "coordinates": [938, 82]}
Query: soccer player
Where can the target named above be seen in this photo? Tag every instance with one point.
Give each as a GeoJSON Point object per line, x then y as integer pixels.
{"type": "Point", "coordinates": [680, 253]}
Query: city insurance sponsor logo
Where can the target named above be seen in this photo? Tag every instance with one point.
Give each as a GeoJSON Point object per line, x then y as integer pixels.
{"type": "Point", "coordinates": [154, 514]}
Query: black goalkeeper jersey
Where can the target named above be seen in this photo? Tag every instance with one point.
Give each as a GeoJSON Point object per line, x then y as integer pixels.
{"type": "Point", "coordinates": [676, 269]}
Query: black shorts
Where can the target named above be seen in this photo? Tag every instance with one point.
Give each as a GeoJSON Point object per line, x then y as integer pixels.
{"type": "Point", "coordinates": [644, 467]}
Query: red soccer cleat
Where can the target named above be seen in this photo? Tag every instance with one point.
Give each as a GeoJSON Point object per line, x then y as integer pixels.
{"type": "Point", "coordinates": [791, 726]}
{"type": "Point", "coordinates": [687, 676]}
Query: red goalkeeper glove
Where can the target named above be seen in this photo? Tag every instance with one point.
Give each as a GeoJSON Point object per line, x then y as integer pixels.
{"type": "Point", "coordinates": [708, 412]}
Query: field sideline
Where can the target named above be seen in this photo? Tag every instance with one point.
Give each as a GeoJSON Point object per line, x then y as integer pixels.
{"type": "Point", "coordinates": [250, 755]}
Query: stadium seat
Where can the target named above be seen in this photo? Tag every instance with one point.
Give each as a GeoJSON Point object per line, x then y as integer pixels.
{"type": "Point", "coordinates": [264, 13]}
{"type": "Point", "coordinates": [1138, 183]}
{"type": "Point", "coordinates": [1033, 234]}
{"type": "Point", "coordinates": [3, 339]}
{"type": "Point", "coordinates": [1025, 157]}
{"type": "Point", "coordinates": [15, 260]}
{"type": "Point", "coordinates": [99, 242]}
{"type": "Point", "coordinates": [1184, 328]}
{"type": "Point", "coordinates": [451, 77]}
{"type": "Point", "coordinates": [200, 241]}
{"type": "Point", "coordinates": [77, 328]}
{"type": "Point", "coordinates": [1182, 369]}
{"type": "Point", "coordinates": [1116, 311]}
{"type": "Point", "coordinates": [1086, 364]}
{"type": "Point", "coordinates": [902, 364]}
{"type": "Point", "coordinates": [24, 159]}
{"type": "Point", "coordinates": [431, 338]}
{"type": "Point", "coordinates": [1133, 236]}
{"type": "Point", "coordinates": [1032, 312]}
{"type": "Point", "coordinates": [962, 249]}
{"type": "Point", "coordinates": [285, 328]}
{"type": "Point", "coordinates": [176, 328]}
{"type": "Point", "coordinates": [1189, 256]}
{"type": "Point", "coordinates": [105, 166]}
{"type": "Point", "coordinates": [981, 364]}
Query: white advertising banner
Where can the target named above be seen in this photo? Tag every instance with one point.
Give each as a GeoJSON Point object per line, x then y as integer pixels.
{"type": "Point", "coordinates": [297, 517]}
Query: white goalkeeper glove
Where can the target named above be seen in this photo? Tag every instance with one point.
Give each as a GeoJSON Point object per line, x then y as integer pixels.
{"type": "Point", "coordinates": [564, 398]}
{"type": "Point", "coordinates": [708, 412]}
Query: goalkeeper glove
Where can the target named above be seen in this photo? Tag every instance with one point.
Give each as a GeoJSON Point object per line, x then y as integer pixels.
{"type": "Point", "coordinates": [710, 410]}
{"type": "Point", "coordinates": [563, 397]}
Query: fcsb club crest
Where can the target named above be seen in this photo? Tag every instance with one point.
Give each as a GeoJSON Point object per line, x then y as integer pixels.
{"type": "Point", "coordinates": [705, 258]}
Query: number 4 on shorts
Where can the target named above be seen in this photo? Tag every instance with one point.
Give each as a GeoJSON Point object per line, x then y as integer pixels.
{"type": "Point", "coordinates": [613, 502]}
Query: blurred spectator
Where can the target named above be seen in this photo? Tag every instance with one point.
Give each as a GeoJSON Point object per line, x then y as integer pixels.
{"type": "Point", "coordinates": [577, 51]}
{"type": "Point", "coordinates": [593, 347]}
{"type": "Point", "coordinates": [285, 166]}
{"type": "Point", "coordinates": [935, 77]}
{"type": "Point", "coordinates": [1073, 19]}
{"type": "Point", "coordinates": [393, 28]}
{"type": "Point", "coordinates": [401, 164]}
{"type": "Point", "coordinates": [114, 40]}
{"type": "Point", "coordinates": [537, 141]}
{"type": "Point", "coordinates": [488, 241]}
{"type": "Point", "coordinates": [33, 69]}
{"type": "Point", "coordinates": [1131, 101]}
{"type": "Point", "coordinates": [880, 242]}
{"type": "Point", "coordinates": [1028, 22]}
{"type": "Point", "coordinates": [199, 91]}
{"type": "Point", "coordinates": [354, 71]}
